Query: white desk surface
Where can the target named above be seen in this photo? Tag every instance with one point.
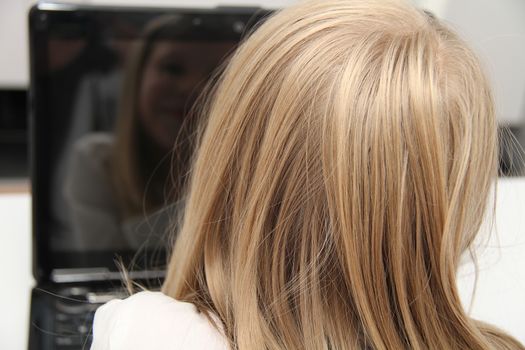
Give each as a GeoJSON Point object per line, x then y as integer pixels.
{"type": "Point", "coordinates": [499, 299]}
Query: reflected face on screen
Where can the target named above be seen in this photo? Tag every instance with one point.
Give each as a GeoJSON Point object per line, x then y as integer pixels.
{"type": "Point", "coordinates": [113, 98]}
{"type": "Point", "coordinates": [172, 76]}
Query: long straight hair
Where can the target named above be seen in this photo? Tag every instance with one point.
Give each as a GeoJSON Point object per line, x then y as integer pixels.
{"type": "Point", "coordinates": [345, 166]}
{"type": "Point", "coordinates": [139, 168]}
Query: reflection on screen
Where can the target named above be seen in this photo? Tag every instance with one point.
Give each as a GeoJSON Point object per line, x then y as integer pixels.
{"type": "Point", "coordinates": [121, 165]}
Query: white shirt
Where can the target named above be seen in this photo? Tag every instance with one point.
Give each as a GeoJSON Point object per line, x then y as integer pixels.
{"type": "Point", "coordinates": [152, 320]}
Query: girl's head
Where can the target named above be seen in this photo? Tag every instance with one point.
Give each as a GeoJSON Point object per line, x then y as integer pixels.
{"type": "Point", "coordinates": [345, 166]}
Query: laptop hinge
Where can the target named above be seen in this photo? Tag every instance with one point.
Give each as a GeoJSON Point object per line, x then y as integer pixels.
{"type": "Point", "coordinates": [100, 274]}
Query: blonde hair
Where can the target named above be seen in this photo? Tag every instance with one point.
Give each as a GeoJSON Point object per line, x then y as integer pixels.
{"type": "Point", "coordinates": [139, 169]}
{"type": "Point", "coordinates": [345, 167]}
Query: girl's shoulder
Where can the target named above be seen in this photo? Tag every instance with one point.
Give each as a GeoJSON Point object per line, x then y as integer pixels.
{"type": "Point", "coordinates": [152, 320]}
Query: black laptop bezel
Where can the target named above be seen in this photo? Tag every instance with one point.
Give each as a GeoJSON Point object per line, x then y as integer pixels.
{"type": "Point", "coordinates": [42, 17]}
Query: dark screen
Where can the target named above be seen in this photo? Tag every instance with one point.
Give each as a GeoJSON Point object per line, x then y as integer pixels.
{"type": "Point", "coordinates": [114, 121]}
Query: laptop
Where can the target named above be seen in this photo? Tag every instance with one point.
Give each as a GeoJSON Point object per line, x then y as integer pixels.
{"type": "Point", "coordinates": [114, 99]}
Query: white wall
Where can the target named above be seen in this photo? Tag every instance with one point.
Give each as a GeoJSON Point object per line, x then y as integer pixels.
{"type": "Point", "coordinates": [499, 296]}
{"type": "Point", "coordinates": [496, 31]}
{"type": "Point", "coordinates": [15, 269]}
{"type": "Point", "coordinates": [14, 62]}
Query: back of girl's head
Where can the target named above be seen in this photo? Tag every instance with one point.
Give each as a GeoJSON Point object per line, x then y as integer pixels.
{"type": "Point", "coordinates": [345, 166]}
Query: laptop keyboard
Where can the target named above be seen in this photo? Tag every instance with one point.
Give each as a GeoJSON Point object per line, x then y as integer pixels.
{"type": "Point", "coordinates": [75, 310]}
{"type": "Point", "coordinates": [73, 326]}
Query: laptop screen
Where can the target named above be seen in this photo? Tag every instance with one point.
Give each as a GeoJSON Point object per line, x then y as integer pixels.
{"type": "Point", "coordinates": [112, 97]}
